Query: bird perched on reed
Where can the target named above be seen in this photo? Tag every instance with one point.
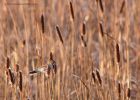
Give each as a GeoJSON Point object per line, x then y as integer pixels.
{"type": "Point", "coordinates": [51, 66]}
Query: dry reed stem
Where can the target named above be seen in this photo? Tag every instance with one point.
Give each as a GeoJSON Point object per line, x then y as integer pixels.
{"type": "Point", "coordinates": [10, 3]}
{"type": "Point", "coordinates": [84, 84]}
{"type": "Point", "coordinates": [81, 81]}
{"type": "Point", "coordinates": [59, 34]}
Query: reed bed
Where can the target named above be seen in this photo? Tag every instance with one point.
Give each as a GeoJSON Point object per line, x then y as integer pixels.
{"type": "Point", "coordinates": [69, 50]}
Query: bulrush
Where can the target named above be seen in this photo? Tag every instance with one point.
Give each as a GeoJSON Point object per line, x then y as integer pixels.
{"type": "Point", "coordinates": [20, 80]}
{"type": "Point", "coordinates": [128, 92]}
{"type": "Point", "coordinates": [101, 29]}
{"type": "Point", "coordinates": [72, 11]}
{"type": "Point", "coordinates": [23, 42]}
{"type": "Point", "coordinates": [12, 77]}
{"type": "Point", "coordinates": [101, 5]}
{"type": "Point", "coordinates": [42, 23]}
{"type": "Point", "coordinates": [8, 62]}
{"type": "Point", "coordinates": [59, 34]}
{"type": "Point", "coordinates": [99, 77]}
{"type": "Point", "coordinates": [84, 28]}
{"type": "Point", "coordinates": [118, 53]}
{"type": "Point", "coordinates": [83, 41]}
{"type": "Point", "coordinates": [83, 34]}
{"type": "Point", "coordinates": [122, 6]}
{"type": "Point", "coordinates": [93, 76]}
{"type": "Point", "coordinates": [119, 89]}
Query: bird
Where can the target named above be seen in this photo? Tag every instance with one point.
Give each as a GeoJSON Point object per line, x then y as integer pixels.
{"type": "Point", "coordinates": [38, 70]}
{"type": "Point", "coordinates": [50, 66]}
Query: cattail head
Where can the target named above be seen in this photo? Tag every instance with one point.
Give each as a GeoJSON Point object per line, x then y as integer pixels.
{"type": "Point", "coordinates": [99, 77]}
{"type": "Point", "coordinates": [84, 28]}
{"type": "Point", "coordinates": [51, 56]}
{"type": "Point", "coordinates": [118, 53]}
{"type": "Point", "coordinates": [8, 62]}
{"type": "Point", "coordinates": [93, 76]}
{"type": "Point", "coordinates": [122, 6]}
{"type": "Point", "coordinates": [101, 5]}
{"type": "Point", "coordinates": [23, 42]}
{"type": "Point", "coordinates": [20, 80]}
{"type": "Point", "coordinates": [72, 11]}
{"type": "Point", "coordinates": [83, 40]}
{"type": "Point", "coordinates": [119, 89]}
{"type": "Point", "coordinates": [12, 77]}
{"type": "Point", "coordinates": [101, 29]}
{"type": "Point", "coordinates": [42, 23]}
{"type": "Point", "coordinates": [128, 92]}
{"type": "Point", "coordinates": [59, 34]}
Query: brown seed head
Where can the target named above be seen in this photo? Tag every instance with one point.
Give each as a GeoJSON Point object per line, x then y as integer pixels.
{"type": "Point", "coordinates": [122, 7]}
{"type": "Point", "coordinates": [12, 77]}
{"type": "Point", "coordinates": [84, 28]}
{"type": "Point", "coordinates": [8, 62]}
{"type": "Point", "coordinates": [119, 89]}
{"type": "Point", "coordinates": [72, 11]}
{"type": "Point", "coordinates": [101, 5]}
{"type": "Point", "coordinates": [20, 81]}
{"type": "Point", "coordinates": [99, 77]}
{"type": "Point", "coordinates": [51, 56]}
{"type": "Point", "coordinates": [59, 34]}
{"type": "Point", "coordinates": [42, 23]}
{"type": "Point", "coordinates": [118, 53]}
{"type": "Point", "coordinates": [128, 92]}
{"type": "Point", "coordinates": [93, 76]}
{"type": "Point", "coordinates": [101, 29]}
{"type": "Point", "coordinates": [84, 42]}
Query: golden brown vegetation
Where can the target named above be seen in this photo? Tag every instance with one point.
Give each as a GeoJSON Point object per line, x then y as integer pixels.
{"type": "Point", "coordinates": [69, 50]}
